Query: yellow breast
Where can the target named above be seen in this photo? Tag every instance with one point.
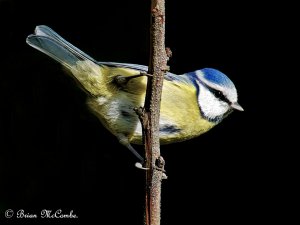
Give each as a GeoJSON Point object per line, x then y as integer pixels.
{"type": "Point", "coordinates": [180, 107]}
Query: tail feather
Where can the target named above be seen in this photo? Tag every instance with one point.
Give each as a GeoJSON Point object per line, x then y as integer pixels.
{"type": "Point", "coordinates": [84, 68]}
{"type": "Point", "coordinates": [53, 45]}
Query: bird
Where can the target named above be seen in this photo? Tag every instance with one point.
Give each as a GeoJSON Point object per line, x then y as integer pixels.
{"type": "Point", "coordinates": [191, 104]}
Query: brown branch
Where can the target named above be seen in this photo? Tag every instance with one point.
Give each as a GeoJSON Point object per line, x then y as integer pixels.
{"type": "Point", "coordinates": [149, 115]}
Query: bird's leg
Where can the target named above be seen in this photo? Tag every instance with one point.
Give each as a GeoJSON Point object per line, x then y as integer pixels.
{"type": "Point", "coordinates": [159, 165]}
{"type": "Point", "coordinates": [135, 153]}
{"type": "Point", "coordinates": [121, 80]}
{"type": "Point", "coordinates": [124, 141]}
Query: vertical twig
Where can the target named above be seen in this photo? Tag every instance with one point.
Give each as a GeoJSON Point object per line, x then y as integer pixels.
{"type": "Point", "coordinates": [149, 115]}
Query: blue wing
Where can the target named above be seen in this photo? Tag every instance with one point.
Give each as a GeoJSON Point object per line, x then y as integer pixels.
{"type": "Point", "coordinates": [168, 76]}
{"type": "Point", "coordinates": [126, 65]}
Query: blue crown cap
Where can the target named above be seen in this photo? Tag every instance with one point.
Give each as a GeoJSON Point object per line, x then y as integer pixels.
{"type": "Point", "coordinates": [217, 77]}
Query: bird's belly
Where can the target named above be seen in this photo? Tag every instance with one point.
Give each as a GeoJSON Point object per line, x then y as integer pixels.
{"type": "Point", "coordinates": [116, 114]}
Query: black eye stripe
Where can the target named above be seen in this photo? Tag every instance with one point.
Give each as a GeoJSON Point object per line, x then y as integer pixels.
{"type": "Point", "coordinates": [219, 95]}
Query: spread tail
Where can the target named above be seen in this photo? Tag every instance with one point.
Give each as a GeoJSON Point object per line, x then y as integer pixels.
{"type": "Point", "coordinates": [49, 42]}
{"type": "Point", "coordinates": [83, 67]}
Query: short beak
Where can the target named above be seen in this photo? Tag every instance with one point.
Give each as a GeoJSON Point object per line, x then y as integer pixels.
{"type": "Point", "coordinates": [236, 106]}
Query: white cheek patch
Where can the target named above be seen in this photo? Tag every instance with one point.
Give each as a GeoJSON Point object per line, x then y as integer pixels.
{"type": "Point", "coordinates": [211, 106]}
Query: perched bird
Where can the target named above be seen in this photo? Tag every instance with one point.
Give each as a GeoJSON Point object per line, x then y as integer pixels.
{"type": "Point", "coordinates": [191, 104]}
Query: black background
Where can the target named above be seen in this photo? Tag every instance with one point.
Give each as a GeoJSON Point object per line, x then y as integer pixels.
{"type": "Point", "coordinates": [56, 155]}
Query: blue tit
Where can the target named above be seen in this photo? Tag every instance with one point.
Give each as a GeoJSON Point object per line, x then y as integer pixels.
{"type": "Point", "coordinates": [191, 104]}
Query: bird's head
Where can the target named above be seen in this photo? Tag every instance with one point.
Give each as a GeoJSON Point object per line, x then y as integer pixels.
{"type": "Point", "coordinates": [217, 95]}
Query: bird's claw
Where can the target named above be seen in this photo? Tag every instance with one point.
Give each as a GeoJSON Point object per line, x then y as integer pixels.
{"type": "Point", "coordinates": [141, 166]}
{"type": "Point", "coordinates": [159, 167]}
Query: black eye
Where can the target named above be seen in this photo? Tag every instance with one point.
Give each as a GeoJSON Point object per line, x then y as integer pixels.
{"type": "Point", "coordinates": [219, 95]}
